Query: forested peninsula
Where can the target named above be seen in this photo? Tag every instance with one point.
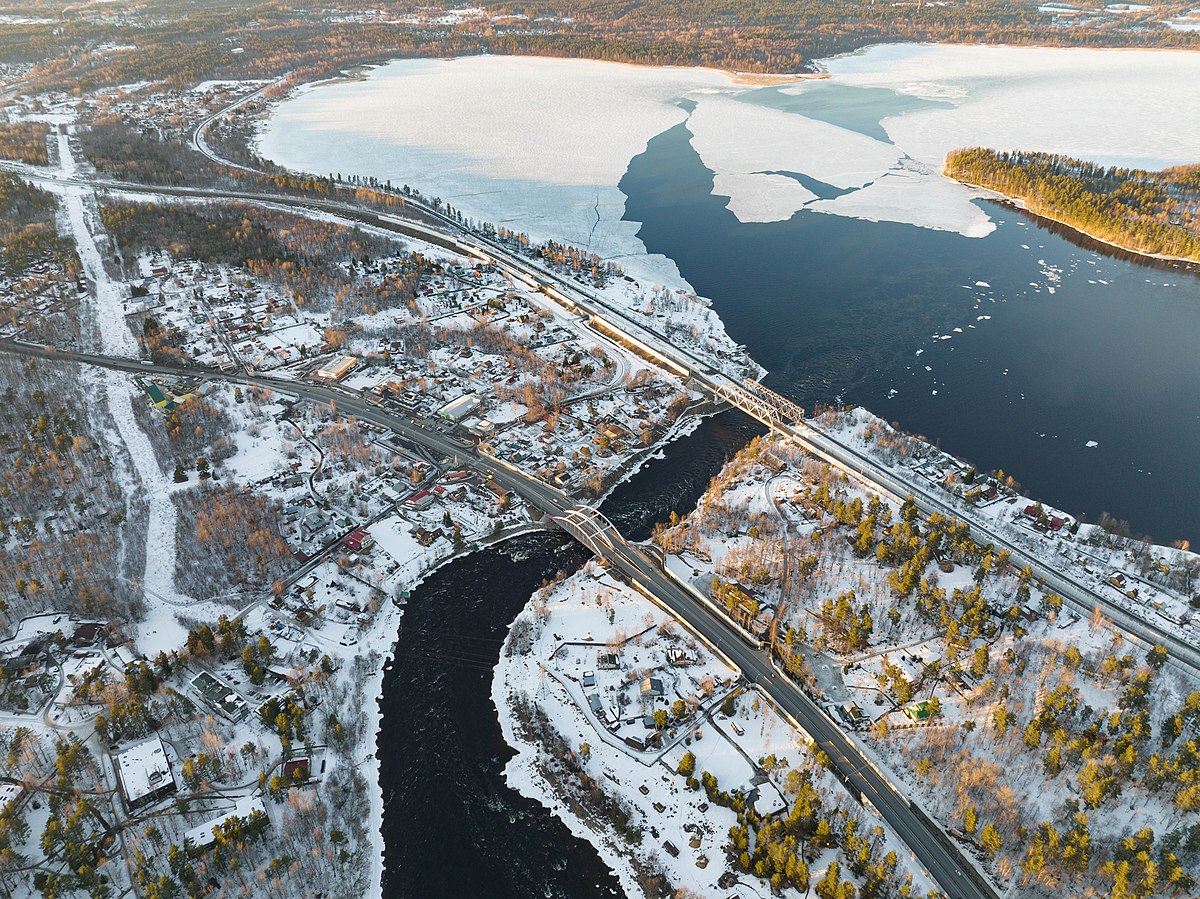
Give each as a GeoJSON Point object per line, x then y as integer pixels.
{"type": "Point", "coordinates": [1156, 213]}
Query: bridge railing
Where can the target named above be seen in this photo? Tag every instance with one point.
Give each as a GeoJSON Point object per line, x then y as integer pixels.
{"type": "Point", "coordinates": [761, 402]}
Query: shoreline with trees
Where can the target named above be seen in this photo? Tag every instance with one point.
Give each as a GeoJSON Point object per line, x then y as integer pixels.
{"type": "Point", "coordinates": [1134, 210]}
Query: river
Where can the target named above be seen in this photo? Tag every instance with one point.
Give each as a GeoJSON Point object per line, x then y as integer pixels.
{"type": "Point", "coordinates": [451, 826]}
{"type": "Point", "coordinates": [1074, 369]}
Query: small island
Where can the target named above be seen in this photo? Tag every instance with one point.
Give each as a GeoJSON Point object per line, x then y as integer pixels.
{"type": "Point", "coordinates": [1154, 213]}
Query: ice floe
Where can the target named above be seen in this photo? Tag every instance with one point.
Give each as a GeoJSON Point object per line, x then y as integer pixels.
{"type": "Point", "coordinates": [543, 143]}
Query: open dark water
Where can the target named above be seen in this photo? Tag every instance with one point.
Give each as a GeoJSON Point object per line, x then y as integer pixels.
{"type": "Point", "coordinates": [451, 826]}
{"type": "Point", "coordinates": [842, 310]}
{"type": "Point", "coordinates": [838, 310]}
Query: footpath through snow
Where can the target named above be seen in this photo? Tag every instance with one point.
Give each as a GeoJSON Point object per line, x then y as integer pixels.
{"type": "Point", "coordinates": [159, 629]}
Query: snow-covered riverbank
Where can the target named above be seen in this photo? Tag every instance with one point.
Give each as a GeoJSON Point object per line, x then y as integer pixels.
{"type": "Point", "coordinates": [585, 670]}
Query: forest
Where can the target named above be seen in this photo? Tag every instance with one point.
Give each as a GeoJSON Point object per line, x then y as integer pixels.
{"type": "Point", "coordinates": [185, 45]}
{"type": "Point", "coordinates": [24, 142]}
{"type": "Point", "coordinates": [1144, 211]}
{"type": "Point", "coordinates": [228, 540]}
{"type": "Point", "coordinates": [62, 508]}
{"type": "Point", "coordinates": [314, 261]}
{"type": "Point", "coordinates": [27, 232]}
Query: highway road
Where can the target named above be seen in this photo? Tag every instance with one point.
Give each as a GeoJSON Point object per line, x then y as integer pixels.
{"type": "Point", "coordinates": [1083, 597]}
{"type": "Point", "coordinates": [200, 135]}
{"type": "Point", "coordinates": [929, 843]}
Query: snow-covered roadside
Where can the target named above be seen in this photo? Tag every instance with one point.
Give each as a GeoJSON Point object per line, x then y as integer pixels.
{"type": "Point", "coordinates": [159, 629]}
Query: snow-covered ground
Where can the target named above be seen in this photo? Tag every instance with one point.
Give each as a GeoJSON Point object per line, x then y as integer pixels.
{"type": "Point", "coordinates": [160, 629]}
{"type": "Point", "coordinates": [306, 460]}
{"type": "Point", "coordinates": [878, 126]}
{"type": "Point", "coordinates": [590, 642]}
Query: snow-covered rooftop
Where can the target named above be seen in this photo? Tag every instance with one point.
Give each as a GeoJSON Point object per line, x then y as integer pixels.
{"type": "Point", "coordinates": [144, 769]}
{"type": "Point", "coordinates": [202, 834]}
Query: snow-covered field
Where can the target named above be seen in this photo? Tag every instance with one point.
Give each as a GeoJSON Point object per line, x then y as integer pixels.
{"type": "Point", "coordinates": [878, 127]}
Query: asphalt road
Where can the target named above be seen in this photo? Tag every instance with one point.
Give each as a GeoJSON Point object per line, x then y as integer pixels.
{"type": "Point", "coordinates": [927, 841]}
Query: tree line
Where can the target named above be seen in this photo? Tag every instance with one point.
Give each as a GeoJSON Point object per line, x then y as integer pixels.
{"type": "Point", "coordinates": [183, 46]}
{"type": "Point", "coordinates": [1150, 212]}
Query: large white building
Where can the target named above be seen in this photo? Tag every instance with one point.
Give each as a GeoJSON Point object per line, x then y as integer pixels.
{"type": "Point", "coordinates": [336, 369]}
{"type": "Point", "coordinates": [457, 410]}
{"type": "Point", "coordinates": [145, 772]}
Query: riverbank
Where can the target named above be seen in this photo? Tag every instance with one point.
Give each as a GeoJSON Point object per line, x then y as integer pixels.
{"type": "Point", "coordinates": [654, 797]}
{"type": "Point", "coordinates": [385, 632]}
{"type": "Point", "coordinates": [913, 668]}
{"type": "Point", "coordinates": [381, 641]}
{"type": "Point", "coordinates": [1040, 215]}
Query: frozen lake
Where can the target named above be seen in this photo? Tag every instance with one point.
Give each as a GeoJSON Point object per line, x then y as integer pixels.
{"type": "Point", "coordinates": [814, 215]}
{"type": "Point", "coordinates": [542, 143]}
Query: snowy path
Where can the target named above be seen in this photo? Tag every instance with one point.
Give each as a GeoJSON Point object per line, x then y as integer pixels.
{"type": "Point", "coordinates": [159, 629]}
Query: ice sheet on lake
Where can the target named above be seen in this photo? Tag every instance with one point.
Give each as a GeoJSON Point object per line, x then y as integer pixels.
{"type": "Point", "coordinates": [542, 144]}
{"type": "Point", "coordinates": [1059, 100]}
{"type": "Point", "coordinates": [732, 136]}
{"type": "Point", "coordinates": [913, 196]}
{"type": "Point", "coordinates": [761, 196]}
{"type": "Point", "coordinates": [536, 144]}
{"type": "Point", "coordinates": [1055, 99]}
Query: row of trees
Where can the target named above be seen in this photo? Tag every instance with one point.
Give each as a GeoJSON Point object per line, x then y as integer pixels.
{"type": "Point", "coordinates": [192, 44]}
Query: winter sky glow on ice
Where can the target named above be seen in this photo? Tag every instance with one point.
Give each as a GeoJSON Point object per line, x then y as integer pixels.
{"type": "Point", "coordinates": [544, 142]}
